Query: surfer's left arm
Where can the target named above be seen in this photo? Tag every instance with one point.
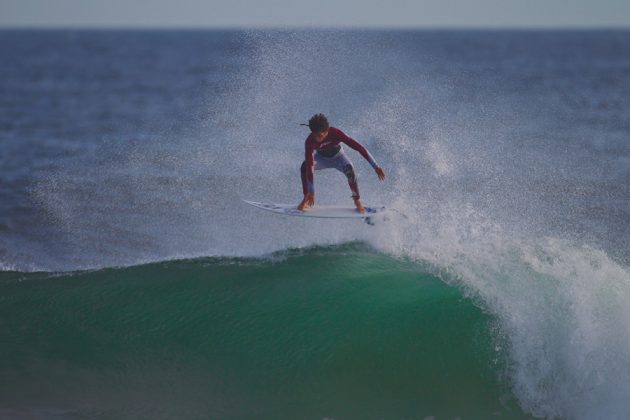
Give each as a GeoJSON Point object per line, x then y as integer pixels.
{"type": "Point", "coordinates": [353, 144]}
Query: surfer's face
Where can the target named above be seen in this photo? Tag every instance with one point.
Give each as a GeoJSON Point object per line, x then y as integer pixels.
{"type": "Point", "coordinates": [320, 135]}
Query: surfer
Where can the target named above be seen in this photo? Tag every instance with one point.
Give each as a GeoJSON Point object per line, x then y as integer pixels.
{"type": "Point", "coordinates": [323, 150]}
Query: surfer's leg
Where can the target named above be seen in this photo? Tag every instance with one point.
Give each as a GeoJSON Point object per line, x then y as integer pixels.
{"type": "Point", "coordinates": [348, 171]}
{"type": "Point", "coordinates": [343, 164]}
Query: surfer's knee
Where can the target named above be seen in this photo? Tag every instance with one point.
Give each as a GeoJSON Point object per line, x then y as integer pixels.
{"type": "Point", "coordinates": [348, 171]}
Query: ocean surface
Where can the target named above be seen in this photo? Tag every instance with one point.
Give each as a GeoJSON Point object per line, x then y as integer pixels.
{"type": "Point", "coordinates": [135, 283]}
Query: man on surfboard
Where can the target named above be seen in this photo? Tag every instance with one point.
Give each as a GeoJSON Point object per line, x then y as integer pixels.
{"type": "Point", "coordinates": [323, 150]}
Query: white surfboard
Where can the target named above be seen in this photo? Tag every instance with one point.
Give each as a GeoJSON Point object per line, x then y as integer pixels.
{"type": "Point", "coordinates": [327, 212]}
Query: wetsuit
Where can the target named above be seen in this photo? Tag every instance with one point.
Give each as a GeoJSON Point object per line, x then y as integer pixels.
{"type": "Point", "coordinates": [329, 154]}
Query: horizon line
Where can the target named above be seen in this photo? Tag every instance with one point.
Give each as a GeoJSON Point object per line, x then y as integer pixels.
{"type": "Point", "coordinates": [174, 27]}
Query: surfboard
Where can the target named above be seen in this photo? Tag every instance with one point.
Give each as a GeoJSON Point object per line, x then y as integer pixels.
{"type": "Point", "coordinates": [324, 212]}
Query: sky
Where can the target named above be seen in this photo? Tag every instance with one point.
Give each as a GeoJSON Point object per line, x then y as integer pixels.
{"type": "Point", "coordinates": [317, 13]}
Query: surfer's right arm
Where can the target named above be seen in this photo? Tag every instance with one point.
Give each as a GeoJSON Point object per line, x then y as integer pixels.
{"type": "Point", "coordinates": [309, 152]}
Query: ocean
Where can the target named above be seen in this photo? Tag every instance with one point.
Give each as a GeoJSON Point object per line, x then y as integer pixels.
{"type": "Point", "coordinates": [135, 283]}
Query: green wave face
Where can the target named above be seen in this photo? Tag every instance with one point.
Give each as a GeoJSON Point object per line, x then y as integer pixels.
{"type": "Point", "coordinates": [337, 332]}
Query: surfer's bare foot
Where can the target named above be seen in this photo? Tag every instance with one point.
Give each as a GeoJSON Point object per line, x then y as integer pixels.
{"type": "Point", "coordinates": [307, 202]}
{"type": "Point", "coordinates": [359, 205]}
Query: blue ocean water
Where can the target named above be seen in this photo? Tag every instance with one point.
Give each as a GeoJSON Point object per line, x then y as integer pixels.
{"type": "Point", "coordinates": [507, 151]}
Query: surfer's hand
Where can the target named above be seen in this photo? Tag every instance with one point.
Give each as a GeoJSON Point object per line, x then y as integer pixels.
{"type": "Point", "coordinates": [309, 201]}
{"type": "Point", "coordinates": [379, 171]}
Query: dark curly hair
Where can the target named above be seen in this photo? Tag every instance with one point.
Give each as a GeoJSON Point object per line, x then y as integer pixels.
{"type": "Point", "coordinates": [318, 122]}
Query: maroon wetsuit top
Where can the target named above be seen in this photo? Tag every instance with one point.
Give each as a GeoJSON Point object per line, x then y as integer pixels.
{"type": "Point", "coordinates": [328, 148]}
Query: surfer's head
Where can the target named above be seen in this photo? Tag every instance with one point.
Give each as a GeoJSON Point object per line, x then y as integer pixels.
{"type": "Point", "coordinates": [318, 122]}
{"type": "Point", "coordinates": [319, 126]}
